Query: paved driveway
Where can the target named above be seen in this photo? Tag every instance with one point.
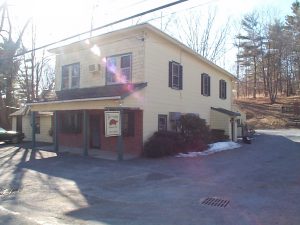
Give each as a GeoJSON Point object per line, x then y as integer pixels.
{"type": "Point", "coordinates": [261, 181]}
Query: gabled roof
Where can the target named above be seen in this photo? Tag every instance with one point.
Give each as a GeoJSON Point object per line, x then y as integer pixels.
{"type": "Point", "coordinates": [25, 111]}
{"type": "Point", "coordinates": [21, 112]}
{"type": "Point", "coordinates": [146, 27]}
{"type": "Point", "coordinates": [226, 112]}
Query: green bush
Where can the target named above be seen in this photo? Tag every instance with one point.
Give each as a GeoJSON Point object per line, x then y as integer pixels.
{"type": "Point", "coordinates": [194, 131]}
{"type": "Point", "coordinates": [163, 143]}
{"type": "Point", "coordinates": [194, 136]}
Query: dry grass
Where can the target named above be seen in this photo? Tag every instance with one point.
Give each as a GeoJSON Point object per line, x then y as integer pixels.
{"type": "Point", "coordinates": [261, 114]}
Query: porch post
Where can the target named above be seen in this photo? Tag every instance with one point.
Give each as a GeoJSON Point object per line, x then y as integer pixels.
{"type": "Point", "coordinates": [33, 126]}
{"type": "Point", "coordinates": [85, 132]}
{"type": "Point", "coordinates": [120, 147]}
{"type": "Point", "coordinates": [55, 132]}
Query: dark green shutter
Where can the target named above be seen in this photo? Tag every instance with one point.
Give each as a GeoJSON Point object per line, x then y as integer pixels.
{"type": "Point", "coordinates": [220, 88]}
{"type": "Point", "coordinates": [208, 85]}
{"type": "Point", "coordinates": [202, 83]}
{"type": "Point", "coordinates": [170, 74]}
{"type": "Point", "coordinates": [180, 77]}
{"type": "Point", "coordinates": [225, 90]}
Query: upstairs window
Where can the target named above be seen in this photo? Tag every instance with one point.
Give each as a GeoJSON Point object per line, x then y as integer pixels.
{"type": "Point", "coordinates": [70, 76]}
{"type": "Point", "coordinates": [222, 89]}
{"type": "Point", "coordinates": [175, 75]}
{"type": "Point", "coordinates": [205, 84]}
{"type": "Point", "coordinates": [118, 69]}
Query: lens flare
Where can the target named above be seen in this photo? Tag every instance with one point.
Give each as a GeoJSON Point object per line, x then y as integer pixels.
{"type": "Point", "coordinates": [96, 50]}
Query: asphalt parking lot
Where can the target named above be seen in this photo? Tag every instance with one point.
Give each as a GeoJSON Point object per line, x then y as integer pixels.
{"type": "Point", "coordinates": [260, 184]}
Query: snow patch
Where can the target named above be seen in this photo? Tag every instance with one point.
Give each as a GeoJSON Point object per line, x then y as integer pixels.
{"type": "Point", "coordinates": [213, 148]}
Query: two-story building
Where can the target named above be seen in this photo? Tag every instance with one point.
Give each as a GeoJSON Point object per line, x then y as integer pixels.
{"type": "Point", "coordinates": [148, 75]}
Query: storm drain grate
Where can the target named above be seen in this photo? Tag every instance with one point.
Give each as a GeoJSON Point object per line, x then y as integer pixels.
{"type": "Point", "coordinates": [217, 202]}
{"type": "Point", "coordinates": [8, 191]}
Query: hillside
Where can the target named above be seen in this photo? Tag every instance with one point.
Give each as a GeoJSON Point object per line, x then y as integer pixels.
{"type": "Point", "coordinates": [261, 114]}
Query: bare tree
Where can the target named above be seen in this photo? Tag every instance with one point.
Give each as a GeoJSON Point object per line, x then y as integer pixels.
{"type": "Point", "coordinates": [36, 73]}
{"type": "Point", "coordinates": [202, 35]}
{"type": "Point", "coordinates": [8, 63]}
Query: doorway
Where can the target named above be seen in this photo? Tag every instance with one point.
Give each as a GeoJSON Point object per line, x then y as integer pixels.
{"type": "Point", "coordinates": [19, 127]}
{"type": "Point", "coordinates": [95, 131]}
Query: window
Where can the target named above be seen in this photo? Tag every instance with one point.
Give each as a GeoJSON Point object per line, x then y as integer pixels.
{"type": "Point", "coordinates": [239, 123]}
{"type": "Point", "coordinates": [175, 75]}
{"type": "Point", "coordinates": [128, 124]}
{"type": "Point", "coordinates": [162, 122]}
{"type": "Point", "coordinates": [71, 122]}
{"type": "Point", "coordinates": [205, 84]}
{"type": "Point", "coordinates": [37, 125]}
{"type": "Point", "coordinates": [70, 76]}
{"type": "Point", "coordinates": [118, 69]}
{"type": "Point", "coordinates": [222, 89]}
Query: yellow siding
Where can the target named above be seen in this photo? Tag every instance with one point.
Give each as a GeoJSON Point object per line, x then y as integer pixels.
{"type": "Point", "coordinates": [220, 121]}
{"type": "Point", "coordinates": [45, 125]}
{"type": "Point", "coordinates": [26, 127]}
{"type": "Point", "coordinates": [160, 99]}
{"type": "Point", "coordinates": [130, 43]}
{"type": "Point", "coordinates": [14, 123]}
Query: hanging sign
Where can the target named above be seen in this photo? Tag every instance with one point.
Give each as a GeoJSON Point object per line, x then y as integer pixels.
{"type": "Point", "coordinates": [112, 123]}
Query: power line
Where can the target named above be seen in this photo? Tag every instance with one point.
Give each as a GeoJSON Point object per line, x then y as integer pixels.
{"type": "Point", "coordinates": [104, 26]}
{"type": "Point", "coordinates": [182, 10]}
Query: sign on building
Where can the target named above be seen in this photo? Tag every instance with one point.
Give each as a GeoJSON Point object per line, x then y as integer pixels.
{"type": "Point", "coordinates": [112, 123]}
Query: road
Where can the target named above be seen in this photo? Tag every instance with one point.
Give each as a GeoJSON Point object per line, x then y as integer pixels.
{"type": "Point", "coordinates": [260, 182]}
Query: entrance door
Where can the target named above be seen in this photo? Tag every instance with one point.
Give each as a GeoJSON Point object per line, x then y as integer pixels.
{"type": "Point", "coordinates": [19, 124]}
{"type": "Point", "coordinates": [95, 131]}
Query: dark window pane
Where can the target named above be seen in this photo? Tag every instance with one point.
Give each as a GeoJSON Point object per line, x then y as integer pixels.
{"type": "Point", "coordinates": [37, 125]}
{"type": "Point", "coordinates": [111, 70]}
{"type": "Point", "coordinates": [162, 122]}
{"type": "Point", "coordinates": [65, 77]}
{"type": "Point", "coordinates": [128, 124]}
{"type": "Point", "coordinates": [71, 122]}
{"type": "Point", "coordinates": [125, 61]}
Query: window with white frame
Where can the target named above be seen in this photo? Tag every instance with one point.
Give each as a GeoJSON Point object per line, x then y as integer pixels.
{"type": "Point", "coordinates": [222, 89]}
{"type": "Point", "coordinates": [162, 122]}
{"type": "Point", "coordinates": [70, 76]}
{"type": "Point", "coordinates": [175, 75]}
{"type": "Point", "coordinates": [205, 84]}
{"type": "Point", "coordinates": [118, 69]}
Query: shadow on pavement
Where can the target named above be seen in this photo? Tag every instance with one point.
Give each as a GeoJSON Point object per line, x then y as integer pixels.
{"type": "Point", "coordinates": [105, 185]}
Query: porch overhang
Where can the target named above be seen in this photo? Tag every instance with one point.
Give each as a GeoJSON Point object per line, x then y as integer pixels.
{"type": "Point", "coordinates": [76, 104]}
{"type": "Point", "coordinates": [226, 112]}
{"type": "Point", "coordinates": [88, 98]}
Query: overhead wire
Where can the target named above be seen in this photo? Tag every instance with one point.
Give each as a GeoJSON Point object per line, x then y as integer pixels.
{"type": "Point", "coordinates": [101, 27]}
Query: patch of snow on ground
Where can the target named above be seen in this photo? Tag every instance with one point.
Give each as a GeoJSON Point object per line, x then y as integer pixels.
{"type": "Point", "coordinates": [213, 148]}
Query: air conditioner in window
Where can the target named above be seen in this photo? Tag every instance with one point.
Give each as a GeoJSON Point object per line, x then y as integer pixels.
{"type": "Point", "coordinates": [94, 68]}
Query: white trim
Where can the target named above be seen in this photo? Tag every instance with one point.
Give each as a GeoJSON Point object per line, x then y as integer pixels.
{"type": "Point", "coordinates": [76, 100]}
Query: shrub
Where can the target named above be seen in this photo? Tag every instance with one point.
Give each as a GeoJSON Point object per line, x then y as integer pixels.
{"type": "Point", "coordinates": [194, 136]}
{"type": "Point", "coordinates": [163, 143]}
{"type": "Point", "coordinates": [194, 131]}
